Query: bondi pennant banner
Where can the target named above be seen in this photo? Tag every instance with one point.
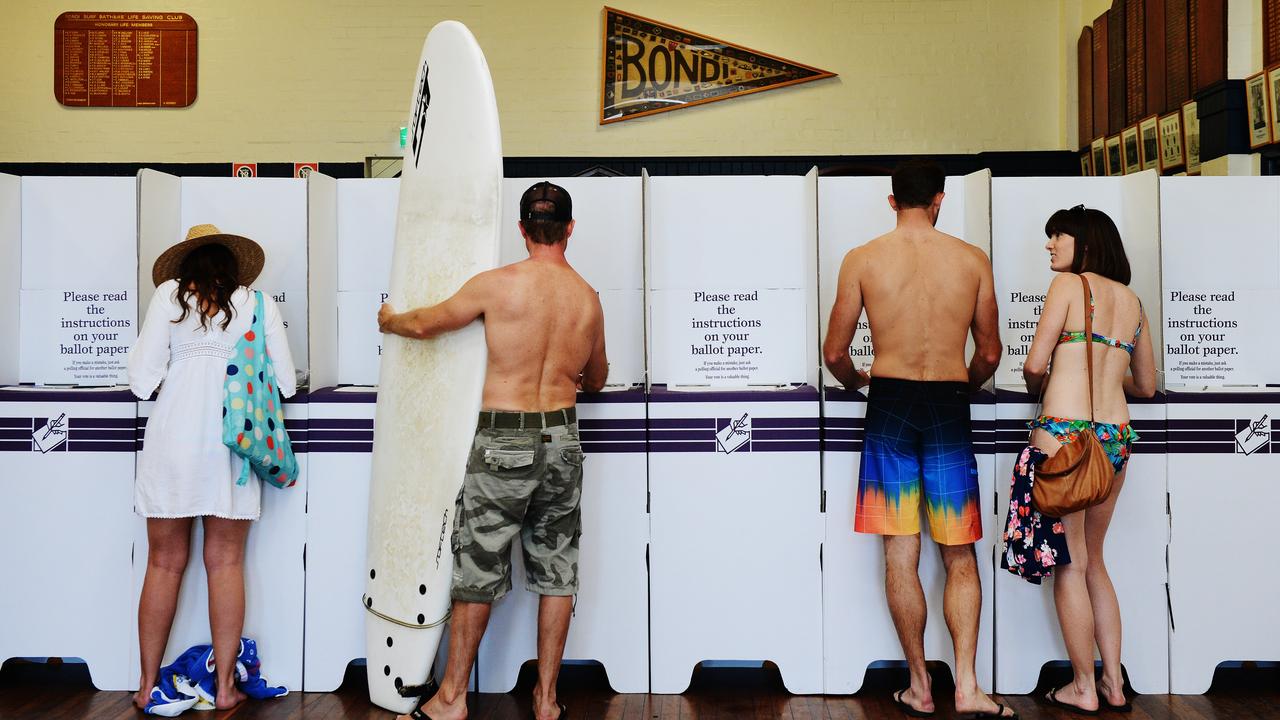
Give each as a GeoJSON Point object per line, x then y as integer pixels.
{"type": "Point", "coordinates": [651, 67]}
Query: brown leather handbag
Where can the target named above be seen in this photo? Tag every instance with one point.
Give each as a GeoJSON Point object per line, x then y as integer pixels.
{"type": "Point", "coordinates": [1080, 474]}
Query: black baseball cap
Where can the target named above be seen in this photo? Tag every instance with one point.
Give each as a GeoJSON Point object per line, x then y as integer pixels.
{"type": "Point", "coordinates": [562, 204]}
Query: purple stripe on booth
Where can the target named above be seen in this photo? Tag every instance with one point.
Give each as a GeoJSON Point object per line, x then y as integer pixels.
{"type": "Point", "coordinates": [343, 435]}
{"type": "Point", "coordinates": [15, 422]}
{"type": "Point", "coordinates": [341, 423]}
{"type": "Point", "coordinates": [1218, 448]}
{"type": "Point", "coordinates": [82, 434]}
{"type": "Point", "coordinates": [804, 434]}
{"type": "Point", "coordinates": [843, 434]}
{"type": "Point", "coordinates": [1228, 435]}
{"type": "Point", "coordinates": [604, 435]}
{"type": "Point", "coordinates": [803, 393]}
{"type": "Point", "coordinates": [340, 447]}
{"type": "Point", "coordinates": [611, 423]}
{"type": "Point", "coordinates": [1201, 424]}
{"type": "Point", "coordinates": [115, 422]}
{"type": "Point", "coordinates": [841, 446]}
{"type": "Point", "coordinates": [682, 423]}
{"type": "Point", "coordinates": [17, 445]}
{"type": "Point", "coordinates": [770, 422]}
{"type": "Point", "coordinates": [16, 433]}
{"type": "Point", "coordinates": [96, 446]}
{"type": "Point", "coordinates": [666, 435]}
{"type": "Point", "coordinates": [592, 448]}
{"type": "Point", "coordinates": [53, 395]}
{"type": "Point", "coordinates": [785, 446]}
{"type": "Point", "coordinates": [682, 447]}
{"type": "Point", "coordinates": [843, 422]}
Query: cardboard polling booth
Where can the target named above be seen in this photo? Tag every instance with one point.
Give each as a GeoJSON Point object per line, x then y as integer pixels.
{"type": "Point", "coordinates": [1027, 633]}
{"type": "Point", "coordinates": [78, 297]}
{"type": "Point", "coordinates": [1221, 248]}
{"type": "Point", "coordinates": [857, 627]}
{"type": "Point", "coordinates": [67, 528]}
{"type": "Point", "coordinates": [610, 622]}
{"type": "Point", "coordinates": [272, 212]}
{"type": "Point", "coordinates": [733, 425]}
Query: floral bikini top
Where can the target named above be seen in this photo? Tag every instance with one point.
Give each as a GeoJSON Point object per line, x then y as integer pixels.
{"type": "Point", "coordinates": [1074, 336]}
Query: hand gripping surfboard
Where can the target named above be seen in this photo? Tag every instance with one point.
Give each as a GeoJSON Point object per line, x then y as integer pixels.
{"type": "Point", "coordinates": [429, 392]}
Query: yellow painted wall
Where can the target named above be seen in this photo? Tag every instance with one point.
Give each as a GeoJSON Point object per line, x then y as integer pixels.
{"type": "Point", "coordinates": [329, 80]}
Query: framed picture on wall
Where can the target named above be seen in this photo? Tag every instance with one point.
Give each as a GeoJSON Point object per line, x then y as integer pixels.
{"type": "Point", "coordinates": [1171, 152]}
{"type": "Point", "coordinates": [1255, 101]}
{"type": "Point", "coordinates": [1130, 147]}
{"type": "Point", "coordinates": [1191, 136]}
{"type": "Point", "coordinates": [1273, 86]}
{"type": "Point", "coordinates": [1149, 142]}
{"type": "Point", "coordinates": [1115, 162]}
{"type": "Point", "coordinates": [1086, 168]}
{"type": "Point", "coordinates": [1099, 160]}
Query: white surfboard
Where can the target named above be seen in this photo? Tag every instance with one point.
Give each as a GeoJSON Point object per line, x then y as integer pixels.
{"type": "Point", "coordinates": [429, 393]}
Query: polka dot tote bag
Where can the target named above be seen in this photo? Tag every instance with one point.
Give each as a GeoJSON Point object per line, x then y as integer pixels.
{"type": "Point", "coordinates": [252, 416]}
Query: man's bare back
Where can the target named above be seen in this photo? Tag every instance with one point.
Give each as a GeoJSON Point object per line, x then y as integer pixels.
{"type": "Point", "coordinates": [923, 291]}
{"type": "Point", "coordinates": [542, 323]}
{"type": "Point", "coordinates": [920, 289]}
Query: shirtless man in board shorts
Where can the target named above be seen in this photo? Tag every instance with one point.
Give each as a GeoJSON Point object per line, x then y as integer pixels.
{"type": "Point", "coordinates": [924, 292]}
{"type": "Point", "coordinates": [545, 332]}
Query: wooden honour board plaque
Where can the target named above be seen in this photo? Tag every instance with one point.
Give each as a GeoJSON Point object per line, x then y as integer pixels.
{"type": "Point", "coordinates": [1100, 93]}
{"type": "Point", "coordinates": [116, 59]}
{"type": "Point", "coordinates": [1208, 43]}
{"type": "Point", "coordinates": [1135, 61]}
{"type": "Point", "coordinates": [1270, 32]}
{"type": "Point", "coordinates": [1177, 61]}
{"type": "Point", "coordinates": [1084, 89]}
{"type": "Point", "coordinates": [1155, 85]}
{"type": "Point", "coordinates": [1116, 107]}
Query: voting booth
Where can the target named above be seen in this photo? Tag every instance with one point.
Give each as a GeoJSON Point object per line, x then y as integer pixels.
{"type": "Point", "coordinates": [274, 570]}
{"type": "Point", "coordinates": [78, 279]}
{"type": "Point", "coordinates": [610, 623]}
{"type": "Point", "coordinates": [734, 466]}
{"type": "Point", "coordinates": [857, 627]}
{"type": "Point", "coordinates": [270, 211]}
{"type": "Point", "coordinates": [1221, 244]}
{"type": "Point", "coordinates": [1027, 635]}
{"type": "Point", "coordinates": [67, 528]}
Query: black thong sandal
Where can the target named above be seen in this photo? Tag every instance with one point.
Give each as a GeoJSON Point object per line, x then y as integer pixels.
{"type": "Point", "coordinates": [905, 707]}
{"type": "Point", "coordinates": [1126, 707]}
{"type": "Point", "coordinates": [1052, 699]}
{"type": "Point", "coordinates": [564, 712]}
{"type": "Point", "coordinates": [999, 713]}
{"type": "Point", "coordinates": [428, 691]}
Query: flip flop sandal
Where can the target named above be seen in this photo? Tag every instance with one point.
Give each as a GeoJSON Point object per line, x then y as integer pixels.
{"type": "Point", "coordinates": [999, 713]}
{"type": "Point", "coordinates": [427, 691]}
{"type": "Point", "coordinates": [905, 707]}
{"type": "Point", "coordinates": [1126, 707]}
{"type": "Point", "coordinates": [1052, 699]}
{"type": "Point", "coordinates": [564, 713]}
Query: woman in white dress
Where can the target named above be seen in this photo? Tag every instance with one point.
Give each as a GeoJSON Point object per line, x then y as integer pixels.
{"type": "Point", "coordinates": [201, 307]}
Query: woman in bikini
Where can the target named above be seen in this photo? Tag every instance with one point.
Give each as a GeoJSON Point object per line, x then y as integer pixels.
{"type": "Point", "coordinates": [1084, 243]}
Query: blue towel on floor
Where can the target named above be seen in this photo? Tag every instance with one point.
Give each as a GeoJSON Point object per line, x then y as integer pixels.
{"type": "Point", "coordinates": [190, 681]}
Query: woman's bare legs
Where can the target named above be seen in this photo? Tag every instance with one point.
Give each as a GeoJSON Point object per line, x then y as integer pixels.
{"type": "Point", "coordinates": [169, 544]}
{"type": "Point", "coordinates": [1102, 595]}
{"type": "Point", "coordinates": [224, 563]}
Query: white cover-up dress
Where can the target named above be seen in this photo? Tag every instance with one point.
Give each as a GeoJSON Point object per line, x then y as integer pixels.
{"type": "Point", "coordinates": [184, 470]}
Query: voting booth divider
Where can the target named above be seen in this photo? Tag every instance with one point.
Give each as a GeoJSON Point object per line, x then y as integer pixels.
{"type": "Point", "coordinates": [857, 627]}
{"type": "Point", "coordinates": [1221, 243]}
{"type": "Point", "coordinates": [1026, 627]}
{"type": "Point", "coordinates": [720, 480]}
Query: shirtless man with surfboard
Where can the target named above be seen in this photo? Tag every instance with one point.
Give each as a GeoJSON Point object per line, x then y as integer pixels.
{"type": "Point", "coordinates": [544, 329]}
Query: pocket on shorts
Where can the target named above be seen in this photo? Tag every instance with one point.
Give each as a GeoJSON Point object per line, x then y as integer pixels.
{"type": "Point", "coordinates": [504, 455]}
{"type": "Point", "coordinates": [572, 455]}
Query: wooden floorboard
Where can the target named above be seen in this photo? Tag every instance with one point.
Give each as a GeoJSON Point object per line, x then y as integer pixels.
{"type": "Point", "coordinates": [58, 691]}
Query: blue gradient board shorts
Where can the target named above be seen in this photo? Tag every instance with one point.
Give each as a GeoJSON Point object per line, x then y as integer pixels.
{"type": "Point", "coordinates": [918, 443]}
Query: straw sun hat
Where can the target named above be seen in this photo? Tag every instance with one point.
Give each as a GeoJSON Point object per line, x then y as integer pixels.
{"type": "Point", "coordinates": [248, 254]}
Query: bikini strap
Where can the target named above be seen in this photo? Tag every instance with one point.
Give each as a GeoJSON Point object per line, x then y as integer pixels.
{"type": "Point", "coordinates": [1138, 333]}
{"type": "Point", "coordinates": [1088, 334]}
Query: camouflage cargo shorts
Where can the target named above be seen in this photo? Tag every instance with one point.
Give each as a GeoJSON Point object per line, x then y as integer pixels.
{"type": "Point", "coordinates": [519, 481]}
